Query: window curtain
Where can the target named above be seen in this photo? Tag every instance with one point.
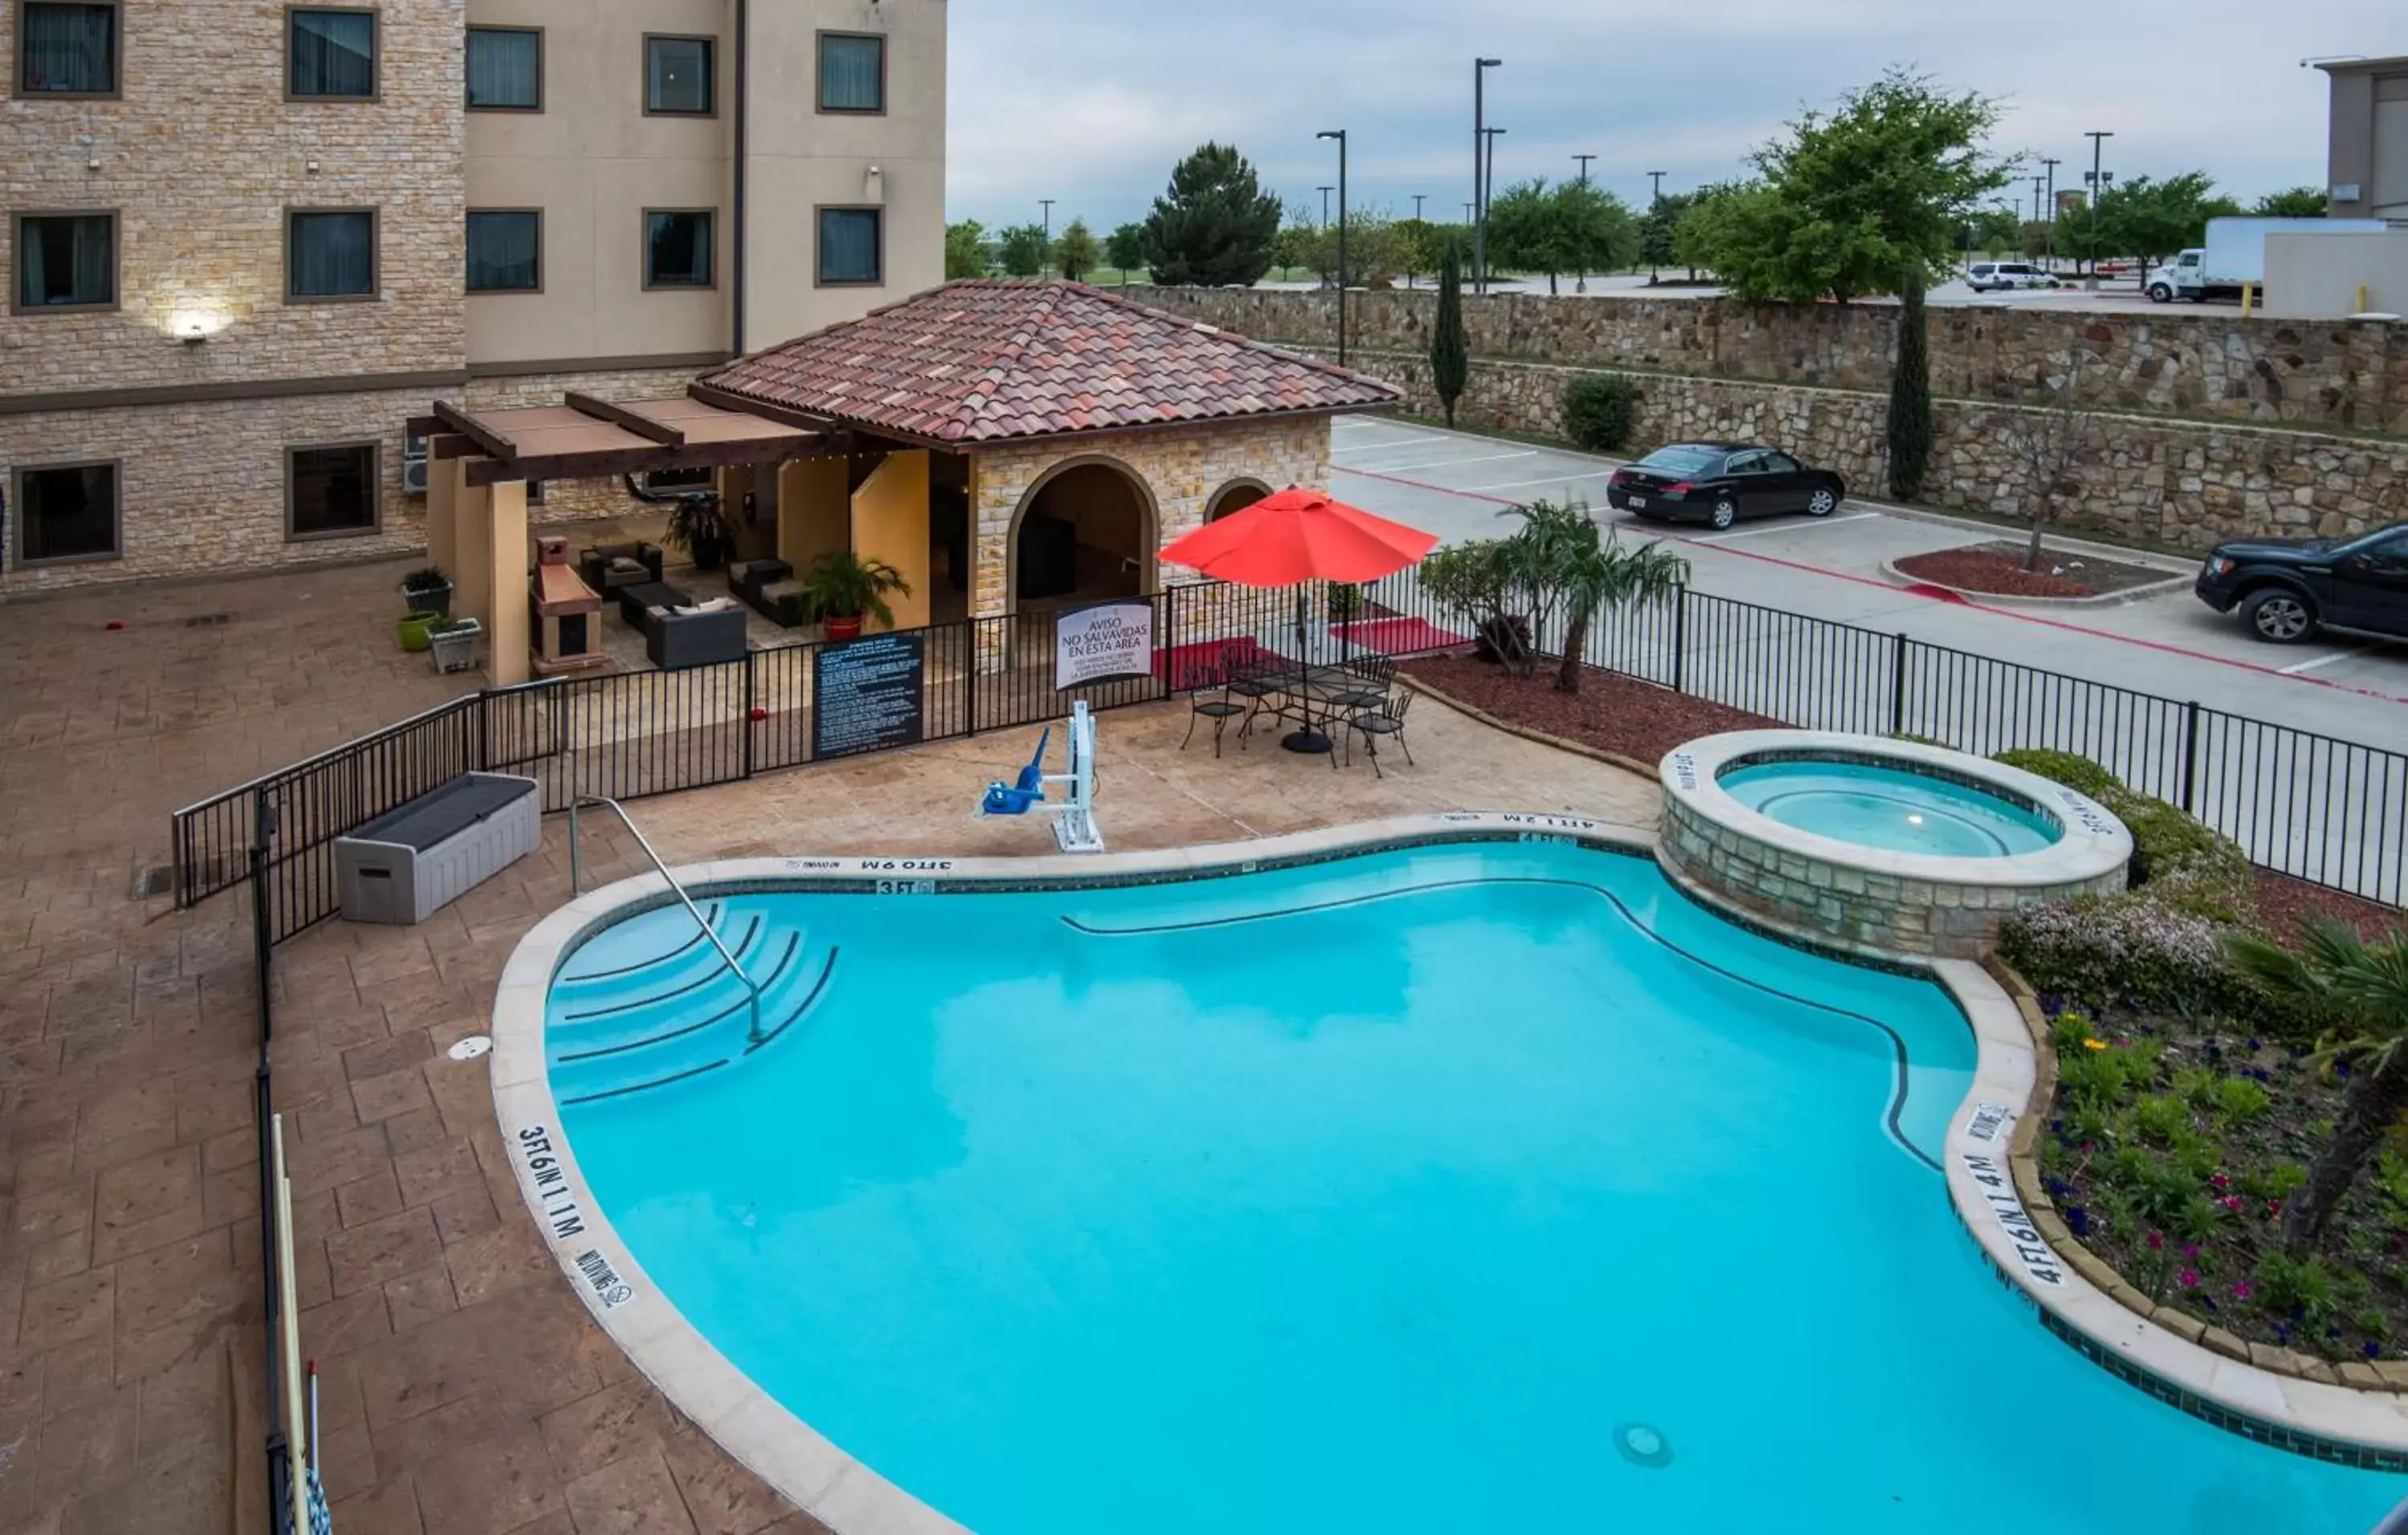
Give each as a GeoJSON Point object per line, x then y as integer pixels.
{"type": "Point", "coordinates": [852, 74]}
{"type": "Point", "coordinates": [501, 251]}
{"type": "Point", "coordinates": [334, 53]}
{"type": "Point", "coordinates": [848, 245]}
{"type": "Point", "coordinates": [66, 260]}
{"type": "Point", "coordinates": [505, 68]}
{"type": "Point", "coordinates": [70, 48]}
{"type": "Point", "coordinates": [678, 75]}
{"type": "Point", "coordinates": [333, 254]}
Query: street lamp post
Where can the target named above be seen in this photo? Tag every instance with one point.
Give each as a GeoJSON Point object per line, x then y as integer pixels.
{"type": "Point", "coordinates": [1655, 210]}
{"type": "Point", "coordinates": [1324, 204]}
{"type": "Point", "coordinates": [1479, 211]}
{"type": "Point", "coordinates": [1489, 181]}
{"type": "Point", "coordinates": [2050, 162]}
{"type": "Point", "coordinates": [2098, 187]}
{"type": "Point", "coordinates": [1339, 135]}
{"type": "Point", "coordinates": [1581, 286]}
{"type": "Point", "coordinates": [1047, 204]}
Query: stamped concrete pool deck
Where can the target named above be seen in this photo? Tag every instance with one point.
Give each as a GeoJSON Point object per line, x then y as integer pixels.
{"type": "Point", "coordinates": [465, 1390]}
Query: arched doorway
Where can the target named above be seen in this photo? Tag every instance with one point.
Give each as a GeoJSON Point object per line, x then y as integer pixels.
{"type": "Point", "coordinates": [1085, 531]}
{"type": "Point", "coordinates": [1236, 496]}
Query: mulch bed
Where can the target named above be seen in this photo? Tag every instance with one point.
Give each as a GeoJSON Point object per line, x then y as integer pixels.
{"type": "Point", "coordinates": [2289, 905]}
{"type": "Point", "coordinates": [1611, 713]}
{"type": "Point", "coordinates": [1997, 569]}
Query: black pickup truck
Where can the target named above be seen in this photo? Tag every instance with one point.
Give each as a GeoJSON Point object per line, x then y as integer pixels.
{"type": "Point", "coordinates": [2290, 588]}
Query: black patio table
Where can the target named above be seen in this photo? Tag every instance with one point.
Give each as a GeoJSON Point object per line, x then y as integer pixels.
{"type": "Point", "coordinates": [1306, 686]}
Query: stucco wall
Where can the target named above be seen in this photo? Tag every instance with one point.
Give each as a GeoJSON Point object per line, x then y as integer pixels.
{"type": "Point", "coordinates": [2188, 361]}
{"type": "Point", "coordinates": [2187, 483]}
{"type": "Point", "coordinates": [1184, 470]}
{"type": "Point", "coordinates": [2312, 274]}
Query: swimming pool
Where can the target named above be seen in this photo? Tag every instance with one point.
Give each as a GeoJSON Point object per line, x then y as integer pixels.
{"type": "Point", "coordinates": [1461, 1187]}
{"type": "Point", "coordinates": [1891, 807]}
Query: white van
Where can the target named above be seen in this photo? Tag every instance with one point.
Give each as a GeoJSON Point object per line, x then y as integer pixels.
{"type": "Point", "coordinates": [1992, 275]}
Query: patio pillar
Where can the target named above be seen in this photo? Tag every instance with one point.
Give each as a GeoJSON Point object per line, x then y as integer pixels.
{"type": "Point", "coordinates": [814, 509]}
{"type": "Point", "coordinates": [445, 479]}
{"type": "Point", "coordinates": [472, 544]}
{"type": "Point", "coordinates": [890, 522]}
{"type": "Point", "coordinates": [508, 658]}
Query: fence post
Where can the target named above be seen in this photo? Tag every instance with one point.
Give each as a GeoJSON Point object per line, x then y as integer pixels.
{"type": "Point", "coordinates": [2190, 758]}
{"type": "Point", "coordinates": [1898, 644]}
{"type": "Point", "coordinates": [485, 729]}
{"type": "Point", "coordinates": [969, 675]}
{"type": "Point", "coordinates": [752, 663]}
{"type": "Point", "coordinates": [1167, 608]}
{"type": "Point", "coordinates": [1680, 637]}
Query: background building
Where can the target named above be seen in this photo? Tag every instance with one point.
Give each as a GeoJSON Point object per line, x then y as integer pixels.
{"type": "Point", "coordinates": [244, 244]}
{"type": "Point", "coordinates": [2368, 177]}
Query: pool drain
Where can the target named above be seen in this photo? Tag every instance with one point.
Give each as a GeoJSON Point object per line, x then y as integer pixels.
{"type": "Point", "coordinates": [1644, 1446]}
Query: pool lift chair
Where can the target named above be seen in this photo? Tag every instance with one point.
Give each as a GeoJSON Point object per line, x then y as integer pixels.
{"type": "Point", "coordinates": [1074, 828]}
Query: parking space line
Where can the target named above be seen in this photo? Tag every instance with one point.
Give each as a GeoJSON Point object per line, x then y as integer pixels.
{"type": "Point", "coordinates": [1452, 463]}
{"type": "Point", "coordinates": [1555, 479]}
{"type": "Point", "coordinates": [1781, 527]}
{"type": "Point", "coordinates": [2320, 662]}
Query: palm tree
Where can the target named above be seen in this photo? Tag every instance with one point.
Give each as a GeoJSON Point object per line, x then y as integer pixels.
{"type": "Point", "coordinates": [1567, 556]}
{"type": "Point", "coordinates": [2364, 988]}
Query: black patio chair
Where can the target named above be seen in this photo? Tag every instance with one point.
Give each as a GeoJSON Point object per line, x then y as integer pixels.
{"type": "Point", "coordinates": [1372, 724]}
{"type": "Point", "coordinates": [1253, 675]}
{"type": "Point", "coordinates": [1220, 710]}
{"type": "Point", "coordinates": [1375, 674]}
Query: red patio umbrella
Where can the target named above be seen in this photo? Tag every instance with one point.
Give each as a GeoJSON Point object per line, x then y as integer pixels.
{"type": "Point", "coordinates": [1295, 536]}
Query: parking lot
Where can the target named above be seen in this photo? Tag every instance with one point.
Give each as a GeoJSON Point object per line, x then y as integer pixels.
{"type": "Point", "coordinates": [2166, 643]}
{"type": "Point", "coordinates": [2118, 295]}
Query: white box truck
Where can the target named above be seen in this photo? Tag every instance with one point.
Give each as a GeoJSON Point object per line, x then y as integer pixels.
{"type": "Point", "coordinates": [2235, 255]}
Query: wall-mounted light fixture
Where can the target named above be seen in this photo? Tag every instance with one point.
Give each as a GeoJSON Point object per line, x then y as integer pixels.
{"type": "Point", "coordinates": [873, 185]}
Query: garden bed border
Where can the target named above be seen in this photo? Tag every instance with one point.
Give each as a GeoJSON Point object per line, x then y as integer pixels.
{"type": "Point", "coordinates": [1891, 573]}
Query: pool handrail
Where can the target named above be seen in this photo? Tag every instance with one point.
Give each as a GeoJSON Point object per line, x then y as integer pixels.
{"type": "Point", "coordinates": [577, 887]}
{"type": "Point", "coordinates": [2394, 1523]}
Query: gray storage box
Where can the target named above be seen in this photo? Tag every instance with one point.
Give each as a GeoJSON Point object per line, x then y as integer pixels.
{"type": "Point", "coordinates": [408, 864]}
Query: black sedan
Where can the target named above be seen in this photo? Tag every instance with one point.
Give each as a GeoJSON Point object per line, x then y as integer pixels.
{"type": "Point", "coordinates": [1717, 483]}
{"type": "Point", "coordinates": [2288, 589]}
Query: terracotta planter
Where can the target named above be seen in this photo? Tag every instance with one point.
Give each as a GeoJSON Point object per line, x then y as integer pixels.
{"type": "Point", "coordinates": [844, 628]}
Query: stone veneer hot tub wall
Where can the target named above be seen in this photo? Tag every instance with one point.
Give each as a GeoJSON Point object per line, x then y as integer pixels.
{"type": "Point", "coordinates": [1865, 898]}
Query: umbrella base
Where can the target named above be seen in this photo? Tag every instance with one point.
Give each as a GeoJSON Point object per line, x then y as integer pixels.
{"type": "Point", "coordinates": [1311, 743]}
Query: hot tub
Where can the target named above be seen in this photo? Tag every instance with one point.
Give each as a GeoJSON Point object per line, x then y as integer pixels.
{"type": "Point", "coordinates": [1878, 845]}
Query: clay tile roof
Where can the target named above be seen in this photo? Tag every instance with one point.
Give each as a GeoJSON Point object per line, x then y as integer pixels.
{"type": "Point", "coordinates": [989, 361]}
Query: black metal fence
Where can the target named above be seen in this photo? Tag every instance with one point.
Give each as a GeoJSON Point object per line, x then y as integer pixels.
{"type": "Point", "coordinates": [2332, 812]}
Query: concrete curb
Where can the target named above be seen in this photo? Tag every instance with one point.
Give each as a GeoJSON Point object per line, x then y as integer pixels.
{"type": "Point", "coordinates": [1891, 573]}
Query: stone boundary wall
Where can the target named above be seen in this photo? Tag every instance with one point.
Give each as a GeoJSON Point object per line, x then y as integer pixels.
{"type": "Point", "coordinates": [2180, 361]}
{"type": "Point", "coordinates": [2188, 484]}
{"type": "Point", "coordinates": [1854, 908]}
{"type": "Point", "coordinates": [201, 485]}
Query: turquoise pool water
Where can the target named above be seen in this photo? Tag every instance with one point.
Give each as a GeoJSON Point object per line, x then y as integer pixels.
{"type": "Point", "coordinates": [1890, 809]}
{"type": "Point", "coordinates": [1399, 1194]}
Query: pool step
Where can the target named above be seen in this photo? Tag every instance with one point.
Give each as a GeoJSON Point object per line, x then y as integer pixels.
{"type": "Point", "coordinates": [622, 1028]}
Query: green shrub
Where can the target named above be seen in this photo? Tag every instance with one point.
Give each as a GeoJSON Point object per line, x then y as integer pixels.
{"type": "Point", "coordinates": [1599, 410]}
{"type": "Point", "coordinates": [2080, 774]}
{"type": "Point", "coordinates": [2118, 951]}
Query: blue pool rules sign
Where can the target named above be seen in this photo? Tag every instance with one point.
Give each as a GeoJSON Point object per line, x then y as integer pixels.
{"type": "Point", "coordinates": [1103, 643]}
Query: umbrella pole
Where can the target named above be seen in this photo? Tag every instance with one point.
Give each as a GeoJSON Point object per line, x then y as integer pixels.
{"type": "Point", "coordinates": [1304, 739]}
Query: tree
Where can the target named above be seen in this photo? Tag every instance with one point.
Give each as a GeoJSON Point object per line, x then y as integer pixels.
{"type": "Point", "coordinates": [1658, 226]}
{"type": "Point", "coordinates": [1450, 351]}
{"type": "Point", "coordinates": [1298, 244]}
{"type": "Point", "coordinates": [1850, 199]}
{"type": "Point", "coordinates": [2153, 219]}
{"type": "Point", "coordinates": [2364, 986]}
{"type": "Point", "coordinates": [1561, 559]}
{"type": "Point", "coordinates": [966, 252]}
{"type": "Point", "coordinates": [1570, 228]}
{"type": "Point", "coordinates": [2293, 203]}
{"type": "Point", "coordinates": [1214, 225]}
{"type": "Point", "coordinates": [1124, 250]}
{"type": "Point", "coordinates": [1075, 253]}
{"type": "Point", "coordinates": [1695, 231]}
{"type": "Point", "coordinates": [1023, 249]}
{"type": "Point", "coordinates": [2049, 442]}
{"type": "Point", "coordinates": [1910, 394]}
{"type": "Point", "coordinates": [1418, 243]}
{"type": "Point", "coordinates": [1991, 232]}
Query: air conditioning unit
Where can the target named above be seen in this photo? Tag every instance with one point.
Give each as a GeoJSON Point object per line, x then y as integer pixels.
{"type": "Point", "coordinates": [413, 465]}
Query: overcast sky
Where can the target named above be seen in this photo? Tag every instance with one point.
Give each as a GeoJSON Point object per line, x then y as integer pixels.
{"type": "Point", "coordinates": [1090, 102]}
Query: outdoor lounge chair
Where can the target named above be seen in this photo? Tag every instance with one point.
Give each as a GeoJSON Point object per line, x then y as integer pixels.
{"type": "Point", "coordinates": [1369, 723]}
{"type": "Point", "coordinates": [605, 567]}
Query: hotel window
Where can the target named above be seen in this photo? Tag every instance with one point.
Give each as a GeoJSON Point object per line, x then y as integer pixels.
{"type": "Point", "coordinates": [330, 491]}
{"type": "Point", "coordinates": [66, 261]}
{"type": "Point", "coordinates": [676, 248]}
{"type": "Point", "coordinates": [330, 253]}
{"type": "Point", "coordinates": [330, 55]}
{"type": "Point", "coordinates": [66, 50]}
{"type": "Point", "coordinates": [504, 250]}
{"type": "Point", "coordinates": [849, 246]}
{"type": "Point", "coordinates": [676, 77]}
{"type": "Point", "coordinates": [853, 72]}
{"type": "Point", "coordinates": [505, 69]}
{"type": "Point", "coordinates": [67, 511]}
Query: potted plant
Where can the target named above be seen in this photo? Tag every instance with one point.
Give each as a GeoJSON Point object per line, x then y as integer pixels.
{"type": "Point", "coordinates": [699, 526]}
{"type": "Point", "coordinates": [454, 642]}
{"type": "Point", "coordinates": [1345, 601]}
{"type": "Point", "coordinates": [413, 626]}
{"type": "Point", "coordinates": [844, 589]}
{"type": "Point", "coordinates": [426, 590]}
